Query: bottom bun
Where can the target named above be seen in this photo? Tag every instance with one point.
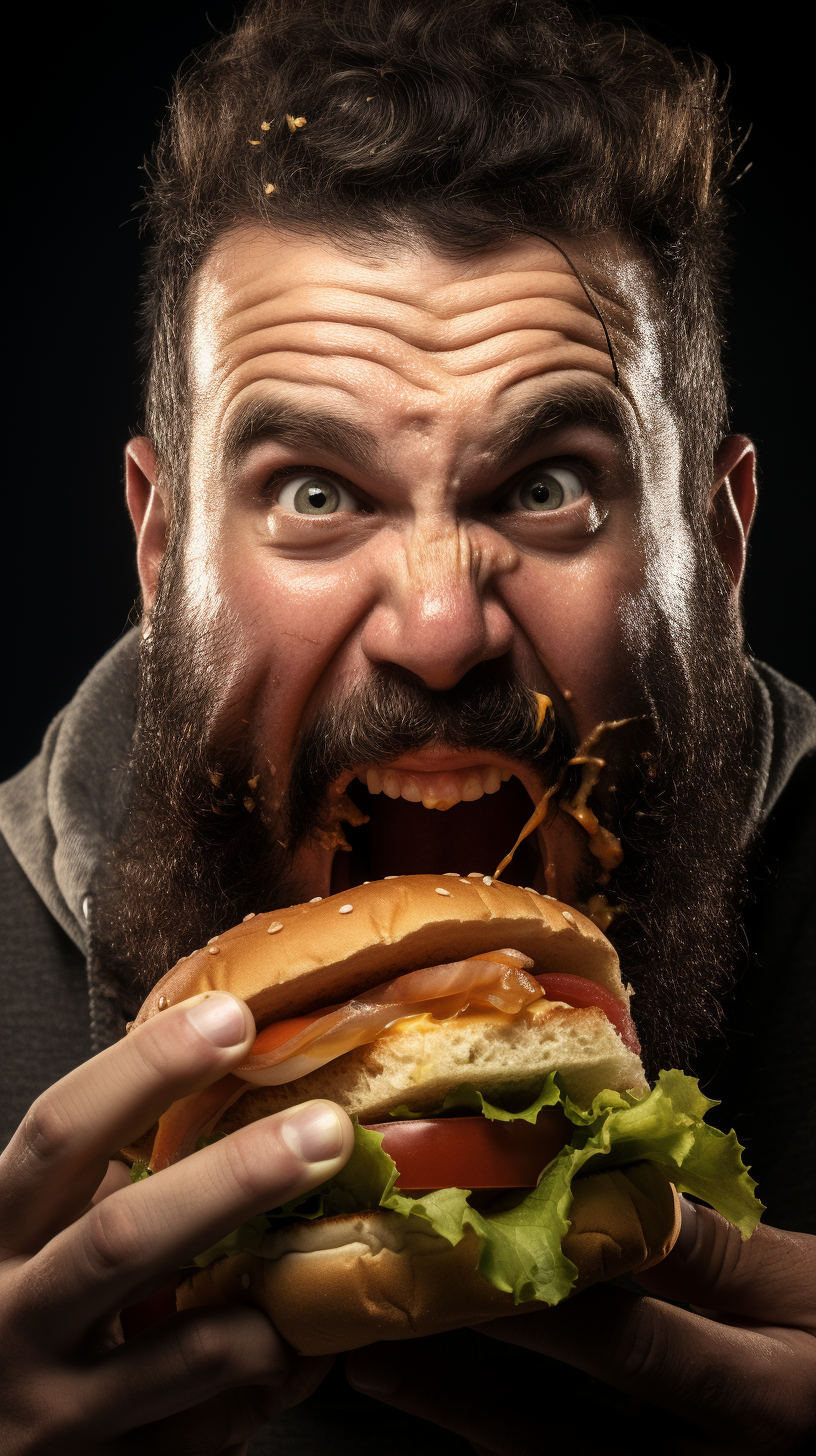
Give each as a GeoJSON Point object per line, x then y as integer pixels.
{"type": "Point", "coordinates": [339, 1283]}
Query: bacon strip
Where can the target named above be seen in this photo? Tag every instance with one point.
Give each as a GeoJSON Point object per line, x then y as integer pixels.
{"type": "Point", "coordinates": [442, 991]}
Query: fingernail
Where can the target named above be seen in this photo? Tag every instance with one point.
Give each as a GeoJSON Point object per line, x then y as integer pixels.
{"type": "Point", "coordinates": [371, 1375]}
{"type": "Point", "coordinates": [219, 1017]}
{"type": "Point", "coordinates": [314, 1133]}
{"type": "Point", "coordinates": [688, 1227]}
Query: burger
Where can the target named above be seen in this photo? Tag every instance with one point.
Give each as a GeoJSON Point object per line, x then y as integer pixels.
{"type": "Point", "coordinates": [508, 1152]}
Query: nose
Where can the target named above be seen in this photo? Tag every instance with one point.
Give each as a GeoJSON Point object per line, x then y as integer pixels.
{"type": "Point", "coordinates": [438, 613]}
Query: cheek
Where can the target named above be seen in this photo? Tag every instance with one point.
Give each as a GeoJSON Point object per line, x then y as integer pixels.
{"type": "Point", "coordinates": [570, 610]}
{"type": "Point", "coordinates": [291, 621]}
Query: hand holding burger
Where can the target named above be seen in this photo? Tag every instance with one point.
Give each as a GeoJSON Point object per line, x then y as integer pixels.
{"type": "Point", "coordinates": [508, 1150]}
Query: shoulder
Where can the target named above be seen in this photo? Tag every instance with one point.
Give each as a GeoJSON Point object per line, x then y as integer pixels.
{"type": "Point", "coordinates": [44, 1023]}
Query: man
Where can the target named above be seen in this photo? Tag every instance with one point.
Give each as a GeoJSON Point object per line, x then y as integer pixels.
{"type": "Point", "coordinates": [434, 419]}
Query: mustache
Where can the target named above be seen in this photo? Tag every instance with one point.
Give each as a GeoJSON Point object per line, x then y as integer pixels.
{"type": "Point", "coordinates": [491, 709]}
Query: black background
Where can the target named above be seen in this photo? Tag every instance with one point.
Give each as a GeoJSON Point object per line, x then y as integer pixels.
{"type": "Point", "coordinates": [95, 83]}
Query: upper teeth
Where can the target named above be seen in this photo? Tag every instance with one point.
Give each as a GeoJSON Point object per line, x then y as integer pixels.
{"type": "Point", "coordinates": [436, 790]}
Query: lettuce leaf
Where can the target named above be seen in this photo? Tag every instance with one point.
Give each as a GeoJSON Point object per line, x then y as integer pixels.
{"type": "Point", "coordinates": [520, 1244]}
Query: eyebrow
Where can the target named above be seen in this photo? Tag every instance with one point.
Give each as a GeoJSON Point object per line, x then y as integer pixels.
{"type": "Point", "coordinates": [596, 404]}
{"type": "Point", "coordinates": [269, 419]}
{"type": "Point", "coordinates": [261, 420]}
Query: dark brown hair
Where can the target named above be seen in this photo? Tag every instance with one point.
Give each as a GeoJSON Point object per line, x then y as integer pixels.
{"type": "Point", "coordinates": [467, 121]}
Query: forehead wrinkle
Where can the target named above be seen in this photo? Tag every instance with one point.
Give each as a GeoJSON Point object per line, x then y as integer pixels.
{"type": "Point", "coordinates": [425, 369]}
{"type": "Point", "coordinates": [414, 325]}
{"type": "Point", "coordinates": [352, 374]}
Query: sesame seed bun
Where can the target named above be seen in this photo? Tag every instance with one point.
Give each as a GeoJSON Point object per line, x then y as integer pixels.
{"type": "Point", "coordinates": [285, 962]}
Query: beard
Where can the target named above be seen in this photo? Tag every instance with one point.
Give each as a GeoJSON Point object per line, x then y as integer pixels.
{"type": "Point", "coordinates": [209, 839]}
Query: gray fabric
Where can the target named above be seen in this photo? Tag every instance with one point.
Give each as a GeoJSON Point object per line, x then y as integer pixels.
{"type": "Point", "coordinates": [786, 735]}
{"type": "Point", "coordinates": [44, 1024]}
{"type": "Point", "coordinates": [59, 815]}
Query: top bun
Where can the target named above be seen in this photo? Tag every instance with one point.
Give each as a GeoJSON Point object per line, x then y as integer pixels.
{"type": "Point", "coordinates": [286, 962]}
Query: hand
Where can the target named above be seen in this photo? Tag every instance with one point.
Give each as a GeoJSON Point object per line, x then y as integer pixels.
{"type": "Point", "coordinates": [737, 1374]}
{"type": "Point", "coordinates": [201, 1381]}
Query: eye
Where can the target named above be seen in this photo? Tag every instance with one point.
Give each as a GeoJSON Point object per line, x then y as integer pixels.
{"type": "Point", "coordinates": [545, 488]}
{"type": "Point", "coordinates": [315, 495]}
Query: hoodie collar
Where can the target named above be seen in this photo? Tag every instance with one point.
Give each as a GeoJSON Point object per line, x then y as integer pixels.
{"type": "Point", "coordinates": [61, 812]}
{"type": "Point", "coordinates": [64, 810]}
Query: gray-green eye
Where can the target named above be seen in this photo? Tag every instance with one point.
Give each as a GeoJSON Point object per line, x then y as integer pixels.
{"type": "Point", "coordinates": [314, 495]}
{"type": "Point", "coordinates": [545, 489]}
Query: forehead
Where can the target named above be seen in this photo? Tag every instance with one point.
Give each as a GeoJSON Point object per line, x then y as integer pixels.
{"type": "Point", "coordinates": [397, 330]}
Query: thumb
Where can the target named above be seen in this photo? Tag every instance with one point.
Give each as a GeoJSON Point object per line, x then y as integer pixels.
{"type": "Point", "coordinates": [768, 1278]}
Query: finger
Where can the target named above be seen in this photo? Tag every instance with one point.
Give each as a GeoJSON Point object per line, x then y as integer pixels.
{"type": "Point", "coordinates": [220, 1427]}
{"type": "Point", "coordinates": [507, 1407]}
{"type": "Point", "coordinates": [59, 1154]}
{"type": "Point", "coordinates": [190, 1358]}
{"type": "Point", "coordinates": [769, 1278]}
{"type": "Point", "coordinates": [116, 1177]}
{"type": "Point", "coordinates": [737, 1384]}
{"type": "Point", "coordinates": [114, 1254]}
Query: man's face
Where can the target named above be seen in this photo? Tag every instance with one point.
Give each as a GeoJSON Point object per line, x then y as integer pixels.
{"type": "Point", "coordinates": [416, 499]}
{"type": "Point", "coordinates": [409, 462]}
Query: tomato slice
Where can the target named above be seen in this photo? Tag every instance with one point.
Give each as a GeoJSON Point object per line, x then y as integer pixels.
{"type": "Point", "coordinates": [472, 1152]}
{"type": "Point", "coordinates": [577, 991]}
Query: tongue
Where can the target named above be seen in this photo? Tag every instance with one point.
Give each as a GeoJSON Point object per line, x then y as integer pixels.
{"type": "Point", "coordinates": [408, 839]}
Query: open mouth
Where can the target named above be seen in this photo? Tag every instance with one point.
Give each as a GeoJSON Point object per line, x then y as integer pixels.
{"type": "Point", "coordinates": [437, 813]}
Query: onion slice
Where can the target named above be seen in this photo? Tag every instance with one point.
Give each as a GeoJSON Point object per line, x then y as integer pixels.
{"type": "Point", "coordinates": [190, 1118]}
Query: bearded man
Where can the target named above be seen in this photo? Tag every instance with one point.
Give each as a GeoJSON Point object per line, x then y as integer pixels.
{"type": "Point", "coordinates": [435, 422]}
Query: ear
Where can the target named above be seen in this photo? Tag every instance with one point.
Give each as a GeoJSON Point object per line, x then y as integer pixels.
{"type": "Point", "coordinates": [147, 506]}
{"type": "Point", "coordinates": [733, 502]}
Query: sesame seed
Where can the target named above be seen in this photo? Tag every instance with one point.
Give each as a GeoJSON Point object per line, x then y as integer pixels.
{"type": "Point", "coordinates": [270, 188]}
{"type": "Point", "coordinates": [275, 927]}
{"type": "Point", "coordinates": [265, 125]}
{"type": "Point", "coordinates": [130, 1026]}
{"type": "Point", "coordinates": [253, 143]}
{"type": "Point", "coordinates": [316, 900]}
{"type": "Point", "coordinates": [486, 880]}
{"type": "Point", "coordinates": [569, 918]}
{"type": "Point", "coordinates": [475, 875]}
{"type": "Point", "coordinates": [390, 877]}
{"type": "Point", "coordinates": [465, 882]}
{"type": "Point", "coordinates": [451, 873]}
{"type": "Point", "coordinates": [347, 909]}
{"type": "Point", "coordinates": [163, 1003]}
{"type": "Point", "coordinates": [440, 891]}
{"type": "Point", "coordinates": [214, 949]}
{"type": "Point", "coordinates": [250, 916]}
{"type": "Point", "coordinates": [211, 939]}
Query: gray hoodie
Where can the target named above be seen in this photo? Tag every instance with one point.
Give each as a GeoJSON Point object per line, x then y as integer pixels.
{"type": "Point", "coordinates": [57, 818]}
